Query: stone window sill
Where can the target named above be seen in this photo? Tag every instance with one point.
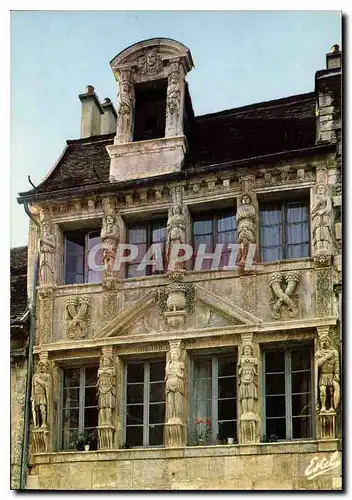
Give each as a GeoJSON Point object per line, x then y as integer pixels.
{"type": "Point", "coordinates": [311, 446]}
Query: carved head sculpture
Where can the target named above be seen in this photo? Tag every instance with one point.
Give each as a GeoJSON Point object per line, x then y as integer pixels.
{"type": "Point", "coordinates": [110, 219]}
{"type": "Point", "coordinates": [42, 367]}
{"type": "Point", "coordinates": [324, 341]}
{"type": "Point", "coordinates": [247, 350]}
{"type": "Point", "coordinates": [174, 78]}
{"type": "Point", "coordinates": [246, 199]}
{"type": "Point", "coordinates": [106, 361]}
{"type": "Point", "coordinates": [177, 209]}
{"type": "Point", "coordinates": [175, 354]}
{"type": "Point", "coordinates": [321, 189]}
{"type": "Point", "coordinates": [152, 59]}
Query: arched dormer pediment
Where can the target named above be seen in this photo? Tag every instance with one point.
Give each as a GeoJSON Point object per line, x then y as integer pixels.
{"type": "Point", "coordinates": [150, 59]}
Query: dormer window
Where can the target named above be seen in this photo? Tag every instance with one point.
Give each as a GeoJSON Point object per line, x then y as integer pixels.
{"type": "Point", "coordinates": [150, 110]}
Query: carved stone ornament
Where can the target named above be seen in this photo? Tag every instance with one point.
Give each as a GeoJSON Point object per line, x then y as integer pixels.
{"type": "Point", "coordinates": [176, 235]}
{"type": "Point", "coordinates": [150, 63]}
{"type": "Point", "coordinates": [77, 315]}
{"type": "Point", "coordinates": [175, 395]}
{"type": "Point", "coordinates": [284, 297]}
{"type": "Point", "coordinates": [41, 406]}
{"type": "Point", "coordinates": [125, 107]}
{"type": "Point", "coordinates": [321, 220]}
{"type": "Point", "coordinates": [323, 260]}
{"type": "Point", "coordinates": [328, 375]}
{"type": "Point", "coordinates": [246, 218]}
{"type": "Point", "coordinates": [173, 94]}
{"type": "Point", "coordinates": [106, 388]}
{"type": "Point", "coordinates": [47, 252]}
{"type": "Point", "coordinates": [248, 380]}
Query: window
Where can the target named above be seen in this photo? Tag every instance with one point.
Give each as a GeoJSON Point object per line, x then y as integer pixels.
{"type": "Point", "coordinates": [284, 231]}
{"type": "Point", "coordinates": [144, 235]}
{"type": "Point", "coordinates": [79, 405]}
{"type": "Point", "coordinates": [145, 403]}
{"type": "Point", "coordinates": [288, 408]}
{"type": "Point", "coordinates": [77, 247]}
{"type": "Point", "coordinates": [214, 395]}
{"type": "Point", "coordinates": [211, 229]}
{"type": "Point", "coordinates": [150, 110]}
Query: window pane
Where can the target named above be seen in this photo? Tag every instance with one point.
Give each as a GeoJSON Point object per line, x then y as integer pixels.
{"type": "Point", "coordinates": [74, 263]}
{"type": "Point", "coordinates": [75, 243]}
{"type": "Point", "coordinates": [91, 376]}
{"type": "Point", "coordinates": [156, 435]}
{"type": "Point", "coordinates": [226, 223]}
{"type": "Point", "coordinates": [271, 236]}
{"type": "Point", "coordinates": [135, 393]}
{"type": "Point", "coordinates": [90, 417]}
{"type": "Point", "coordinates": [91, 397]}
{"type": "Point", "coordinates": [202, 409]}
{"type": "Point", "coordinates": [69, 438]}
{"type": "Point", "coordinates": [302, 427]}
{"type": "Point", "coordinates": [206, 240]}
{"type": "Point", "coordinates": [227, 429]}
{"type": "Point", "coordinates": [135, 372]}
{"type": "Point", "coordinates": [134, 436]}
{"type": "Point", "coordinates": [270, 215]}
{"type": "Point", "coordinates": [296, 212]}
{"type": "Point", "coordinates": [137, 234]}
{"type": "Point", "coordinates": [227, 409]}
{"type": "Point", "coordinates": [71, 398]}
{"type": "Point", "coordinates": [156, 413]}
{"type": "Point", "coordinates": [275, 384]}
{"type": "Point", "coordinates": [157, 392]}
{"type": "Point", "coordinates": [270, 254]}
{"type": "Point", "coordinates": [276, 427]}
{"type": "Point", "coordinates": [298, 251]}
{"type": "Point", "coordinates": [275, 406]}
{"type": "Point", "coordinates": [275, 361]}
{"type": "Point", "coordinates": [158, 231]}
{"type": "Point", "coordinates": [300, 359]}
{"type": "Point", "coordinates": [157, 371]}
{"type": "Point", "coordinates": [133, 273]}
{"type": "Point", "coordinates": [300, 382]}
{"type": "Point", "coordinates": [297, 233]}
{"type": "Point", "coordinates": [301, 405]}
{"type": "Point", "coordinates": [202, 368]}
{"type": "Point", "coordinates": [204, 226]}
{"type": "Point", "coordinates": [73, 278]}
{"type": "Point", "coordinates": [134, 414]}
{"type": "Point", "coordinates": [224, 238]}
{"type": "Point", "coordinates": [70, 418]}
{"type": "Point", "coordinates": [226, 367]}
{"type": "Point", "coordinates": [71, 378]}
{"type": "Point", "coordinates": [227, 387]}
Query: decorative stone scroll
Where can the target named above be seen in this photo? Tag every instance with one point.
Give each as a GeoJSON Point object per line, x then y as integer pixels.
{"type": "Point", "coordinates": [321, 214]}
{"type": "Point", "coordinates": [41, 404]}
{"type": "Point", "coordinates": [248, 391]}
{"type": "Point", "coordinates": [175, 428]}
{"type": "Point", "coordinates": [106, 388]}
{"type": "Point", "coordinates": [176, 229]}
{"type": "Point", "coordinates": [125, 108]}
{"type": "Point", "coordinates": [77, 316]}
{"type": "Point", "coordinates": [47, 243]}
{"type": "Point", "coordinates": [327, 374]}
{"type": "Point", "coordinates": [283, 297]}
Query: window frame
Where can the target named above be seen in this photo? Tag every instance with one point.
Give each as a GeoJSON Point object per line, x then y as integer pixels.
{"type": "Point", "coordinates": [149, 241]}
{"type": "Point", "coordinates": [86, 249]}
{"type": "Point", "coordinates": [146, 402]}
{"type": "Point", "coordinates": [81, 403]}
{"type": "Point", "coordinates": [214, 356]}
{"type": "Point", "coordinates": [214, 216]}
{"type": "Point", "coordinates": [283, 205]}
{"type": "Point", "coordinates": [288, 391]}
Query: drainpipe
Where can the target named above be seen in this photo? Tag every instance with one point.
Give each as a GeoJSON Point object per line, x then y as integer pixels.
{"type": "Point", "coordinates": [27, 411]}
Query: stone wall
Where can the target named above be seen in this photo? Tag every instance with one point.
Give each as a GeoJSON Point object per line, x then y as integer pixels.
{"type": "Point", "coordinates": [272, 466]}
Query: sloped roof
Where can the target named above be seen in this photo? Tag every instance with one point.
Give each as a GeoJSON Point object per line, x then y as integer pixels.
{"type": "Point", "coordinates": [18, 278]}
{"type": "Point", "coordinates": [255, 130]}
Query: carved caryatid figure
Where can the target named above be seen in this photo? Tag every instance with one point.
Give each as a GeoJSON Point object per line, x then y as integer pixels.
{"type": "Point", "coordinates": [248, 392]}
{"type": "Point", "coordinates": [41, 391]}
{"type": "Point", "coordinates": [176, 234]}
{"type": "Point", "coordinates": [125, 109]}
{"type": "Point", "coordinates": [321, 223]}
{"type": "Point", "coordinates": [47, 252]}
{"type": "Point", "coordinates": [175, 386]}
{"type": "Point", "coordinates": [173, 93]}
{"type": "Point", "coordinates": [246, 218]}
{"type": "Point", "coordinates": [328, 368]}
{"type": "Point", "coordinates": [109, 236]}
{"type": "Point", "coordinates": [106, 387]}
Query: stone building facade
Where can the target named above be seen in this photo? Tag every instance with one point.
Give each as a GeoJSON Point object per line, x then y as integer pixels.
{"type": "Point", "coordinates": [219, 372]}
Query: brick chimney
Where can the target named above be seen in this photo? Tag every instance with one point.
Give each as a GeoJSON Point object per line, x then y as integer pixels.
{"type": "Point", "coordinates": [91, 113]}
{"type": "Point", "coordinates": [328, 85]}
{"type": "Point", "coordinates": [109, 118]}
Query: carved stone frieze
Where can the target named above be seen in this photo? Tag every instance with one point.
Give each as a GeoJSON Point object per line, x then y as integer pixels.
{"type": "Point", "coordinates": [109, 307]}
{"type": "Point", "coordinates": [78, 311]}
{"type": "Point", "coordinates": [46, 311]}
{"type": "Point", "coordinates": [284, 297]}
{"type": "Point", "coordinates": [323, 288]}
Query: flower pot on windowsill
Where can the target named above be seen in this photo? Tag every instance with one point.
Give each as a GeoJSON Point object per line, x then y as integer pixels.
{"type": "Point", "coordinates": [86, 447]}
{"type": "Point", "coordinates": [230, 440]}
{"type": "Point", "coordinates": [200, 442]}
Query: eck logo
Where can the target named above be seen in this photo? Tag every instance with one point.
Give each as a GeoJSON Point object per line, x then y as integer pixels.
{"type": "Point", "coordinates": [318, 467]}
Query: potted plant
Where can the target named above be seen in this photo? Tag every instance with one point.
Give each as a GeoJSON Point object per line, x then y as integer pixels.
{"type": "Point", "coordinates": [230, 440]}
{"type": "Point", "coordinates": [80, 442]}
{"type": "Point", "coordinates": [202, 430]}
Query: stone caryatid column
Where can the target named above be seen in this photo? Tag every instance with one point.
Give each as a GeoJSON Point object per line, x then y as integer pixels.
{"type": "Point", "coordinates": [248, 391]}
{"type": "Point", "coordinates": [321, 213]}
{"type": "Point", "coordinates": [110, 234]}
{"type": "Point", "coordinates": [125, 108]}
{"type": "Point", "coordinates": [175, 411]}
{"type": "Point", "coordinates": [176, 230]}
{"type": "Point", "coordinates": [106, 387]}
{"type": "Point", "coordinates": [246, 218]}
{"type": "Point", "coordinates": [47, 245]}
{"type": "Point", "coordinates": [327, 380]}
{"type": "Point", "coordinates": [175, 100]}
{"type": "Point", "coordinates": [41, 404]}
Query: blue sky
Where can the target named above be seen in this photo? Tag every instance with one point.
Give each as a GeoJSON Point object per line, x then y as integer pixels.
{"type": "Point", "coordinates": [240, 57]}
